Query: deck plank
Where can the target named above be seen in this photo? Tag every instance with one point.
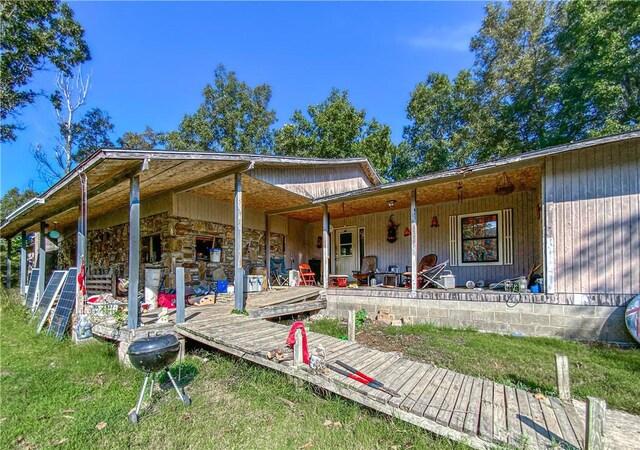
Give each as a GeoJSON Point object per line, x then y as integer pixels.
{"type": "Point", "coordinates": [414, 394]}
{"type": "Point", "coordinates": [500, 430]}
{"type": "Point", "coordinates": [576, 421]}
{"type": "Point", "coordinates": [526, 419]}
{"type": "Point", "coordinates": [410, 384]}
{"type": "Point", "coordinates": [425, 398]}
{"type": "Point", "coordinates": [449, 403]}
{"type": "Point", "coordinates": [472, 418]}
{"type": "Point", "coordinates": [486, 411]}
{"type": "Point", "coordinates": [565, 425]}
{"type": "Point", "coordinates": [553, 427]}
{"type": "Point", "coordinates": [462, 403]}
{"type": "Point", "coordinates": [514, 428]}
{"type": "Point", "coordinates": [432, 409]}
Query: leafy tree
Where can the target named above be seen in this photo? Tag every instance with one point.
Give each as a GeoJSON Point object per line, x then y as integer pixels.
{"type": "Point", "coordinates": [233, 118]}
{"type": "Point", "coordinates": [599, 87]}
{"type": "Point", "coordinates": [91, 133]}
{"type": "Point", "coordinates": [336, 129]}
{"type": "Point", "coordinates": [514, 68]}
{"type": "Point", "coordinates": [14, 199]}
{"type": "Point", "coordinates": [443, 117]}
{"type": "Point", "coordinates": [34, 34]}
{"type": "Point", "coordinates": [9, 203]}
{"type": "Point", "coordinates": [147, 140]}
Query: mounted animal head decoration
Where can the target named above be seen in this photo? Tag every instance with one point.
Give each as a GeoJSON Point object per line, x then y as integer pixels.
{"type": "Point", "coordinates": [391, 230]}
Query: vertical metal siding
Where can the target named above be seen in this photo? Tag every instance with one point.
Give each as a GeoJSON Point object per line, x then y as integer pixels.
{"type": "Point", "coordinates": [200, 207]}
{"type": "Point", "coordinates": [595, 195]}
{"type": "Point", "coordinates": [526, 235]}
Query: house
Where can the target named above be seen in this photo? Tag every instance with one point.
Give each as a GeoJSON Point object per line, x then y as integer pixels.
{"type": "Point", "coordinates": [571, 211]}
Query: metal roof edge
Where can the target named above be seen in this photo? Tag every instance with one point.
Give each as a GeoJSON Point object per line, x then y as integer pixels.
{"type": "Point", "coordinates": [479, 167]}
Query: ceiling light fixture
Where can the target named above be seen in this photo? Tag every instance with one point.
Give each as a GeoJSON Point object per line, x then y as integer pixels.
{"type": "Point", "coordinates": [391, 203]}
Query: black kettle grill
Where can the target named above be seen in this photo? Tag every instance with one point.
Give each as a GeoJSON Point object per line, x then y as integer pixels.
{"type": "Point", "coordinates": [153, 354]}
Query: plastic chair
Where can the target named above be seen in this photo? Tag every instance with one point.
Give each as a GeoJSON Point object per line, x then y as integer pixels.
{"type": "Point", "coordinates": [367, 270]}
{"type": "Point", "coordinates": [307, 276]}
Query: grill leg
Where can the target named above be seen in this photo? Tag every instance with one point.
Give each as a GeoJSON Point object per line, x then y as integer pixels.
{"type": "Point", "coordinates": [144, 387]}
{"type": "Point", "coordinates": [153, 379]}
{"type": "Point", "coordinates": [174, 383]}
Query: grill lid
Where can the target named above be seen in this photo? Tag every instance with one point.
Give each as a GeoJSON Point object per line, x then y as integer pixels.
{"type": "Point", "coordinates": [167, 342]}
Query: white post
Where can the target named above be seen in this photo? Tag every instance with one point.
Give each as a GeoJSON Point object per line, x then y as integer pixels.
{"type": "Point", "coordinates": [351, 325]}
{"type": "Point", "coordinates": [297, 349]}
{"type": "Point", "coordinates": [180, 295]}
{"type": "Point", "coordinates": [23, 263]}
{"type": "Point", "coordinates": [81, 245]}
{"type": "Point", "coordinates": [239, 271]}
{"type": "Point", "coordinates": [325, 247]}
{"type": "Point", "coordinates": [42, 263]}
{"type": "Point", "coordinates": [414, 243]}
{"type": "Point", "coordinates": [134, 251]}
{"type": "Point", "coordinates": [7, 281]}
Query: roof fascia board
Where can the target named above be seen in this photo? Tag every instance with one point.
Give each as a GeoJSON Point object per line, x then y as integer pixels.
{"type": "Point", "coordinates": [518, 161]}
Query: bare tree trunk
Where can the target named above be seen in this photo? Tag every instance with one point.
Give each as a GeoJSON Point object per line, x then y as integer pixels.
{"type": "Point", "coordinates": [74, 90]}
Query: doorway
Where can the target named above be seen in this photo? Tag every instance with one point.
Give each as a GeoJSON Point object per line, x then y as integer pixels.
{"type": "Point", "coordinates": [346, 250]}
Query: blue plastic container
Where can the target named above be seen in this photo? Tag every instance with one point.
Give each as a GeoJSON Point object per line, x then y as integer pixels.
{"type": "Point", "coordinates": [222, 286]}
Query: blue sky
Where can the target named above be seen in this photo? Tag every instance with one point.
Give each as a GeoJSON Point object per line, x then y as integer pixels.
{"type": "Point", "coordinates": [150, 60]}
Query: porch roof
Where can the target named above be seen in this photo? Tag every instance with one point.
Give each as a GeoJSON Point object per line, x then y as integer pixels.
{"type": "Point", "coordinates": [478, 180]}
{"type": "Point", "coordinates": [108, 172]}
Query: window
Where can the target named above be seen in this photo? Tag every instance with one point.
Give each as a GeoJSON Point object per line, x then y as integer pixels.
{"type": "Point", "coordinates": [481, 238]}
{"type": "Point", "coordinates": [346, 244]}
{"type": "Point", "coordinates": [205, 246]}
{"type": "Point", "coordinates": [151, 248]}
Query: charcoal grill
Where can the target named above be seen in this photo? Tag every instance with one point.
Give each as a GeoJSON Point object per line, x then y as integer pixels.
{"type": "Point", "coordinates": [151, 355]}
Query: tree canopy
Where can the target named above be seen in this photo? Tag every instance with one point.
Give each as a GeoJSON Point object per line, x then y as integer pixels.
{"type": "Point", "coordinates": [147, 140]}
{"type": "Point", "coordinates": [544, 73]}
{"type": "Point", "coordinates": [233, 118]}
{"type": "Point", "coordinates": [33, 34]}
{"type": "Point", "coordinates": [336, 129]}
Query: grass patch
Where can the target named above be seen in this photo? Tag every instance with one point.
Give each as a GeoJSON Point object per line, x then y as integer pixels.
{"type": "Point", "coordinates": [59, 395]}
{"type": "Point", "coordinates": [596, 370]}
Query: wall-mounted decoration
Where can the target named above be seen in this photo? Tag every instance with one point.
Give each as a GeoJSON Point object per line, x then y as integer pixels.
{"type": "Point", "coordinates": [391, 230]}
{"type": "Point", "coordinates": [434, 222]}
{"type": "Point", "coordinates": [407, 232]}
{"type": "Point", "coordinates": [319, 242]}
{"type": "Point", "coordinates": [504, 186]}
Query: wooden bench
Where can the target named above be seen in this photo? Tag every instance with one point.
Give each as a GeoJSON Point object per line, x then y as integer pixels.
{"type": "Point", "coordinates": [100, 284]}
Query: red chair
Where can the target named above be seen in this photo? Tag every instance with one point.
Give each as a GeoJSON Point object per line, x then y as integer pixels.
{"type": "Point", "coordinates": [307, 277]}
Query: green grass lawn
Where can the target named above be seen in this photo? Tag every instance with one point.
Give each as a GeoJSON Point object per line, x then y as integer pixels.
{"type": "Point", "coordinates": [596, 370]}
{"type": "Point", "coordinates": [62, 395]}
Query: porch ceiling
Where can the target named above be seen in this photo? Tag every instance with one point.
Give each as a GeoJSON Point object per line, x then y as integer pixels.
{"type": "Point", "coordinates": [524, 179]}
{"type": "Point", "coordinates": [256, 194]}
{"type": "Point", "coordinates": [108, 189]}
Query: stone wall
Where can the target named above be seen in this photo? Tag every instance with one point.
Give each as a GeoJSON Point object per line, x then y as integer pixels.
{"type": "Point", "coordinates": [574, 322]}
{"type": "Point", "coordinates": [108, 248]}
{"type": "Point", "coordinates": [181, 250]}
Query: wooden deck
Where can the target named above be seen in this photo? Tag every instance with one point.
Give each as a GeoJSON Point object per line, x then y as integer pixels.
{"type": "Point", "coordinates": [478, 412]}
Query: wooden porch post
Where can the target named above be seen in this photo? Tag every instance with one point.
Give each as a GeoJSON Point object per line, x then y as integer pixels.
{"type": "Point", "coordinates": [23, 262]}
{"type": "Point", "coordinates": [239, 271]}
{"type": "Point", "coordinates": [414, 243]}
{"type": "Point", "coordinates": [325, 247]}
{"type": "Point", "coordinates": [7, 281]}
{"type": "Point", "coordinates": [42, 261]}
{"type": "Point", "coordinates": [134, 251]}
